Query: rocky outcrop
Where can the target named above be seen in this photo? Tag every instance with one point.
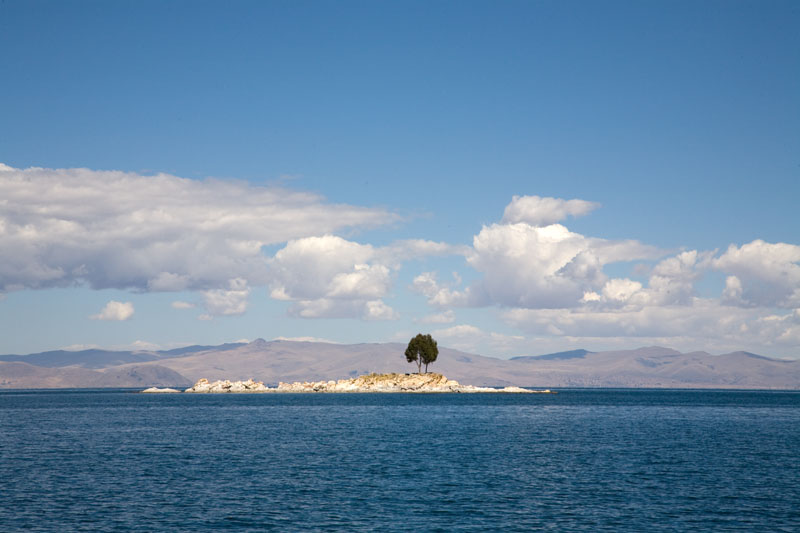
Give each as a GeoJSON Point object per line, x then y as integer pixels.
{"type": "Point", "coordinates": [203, 385]}
{"type": "Point", "coordinates": [367, 383]}
{"type": "Point", "coordinates": [156, 390]}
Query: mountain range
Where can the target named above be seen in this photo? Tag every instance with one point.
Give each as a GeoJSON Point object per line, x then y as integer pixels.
{"type": "Point", "coordinates": [282, 360]}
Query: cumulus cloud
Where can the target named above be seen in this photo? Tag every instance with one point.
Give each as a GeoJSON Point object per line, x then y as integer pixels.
{"type": "Point", "coordinates": [761, 274]}
{"type": "Point", "coordinates": [115, 311]}
{"type": "Point", "coordinates": [666, 309]}
{"type": "Point", "coordinates": [439, 294]}
{"type": "Point", "coordinates": [538, 211]}
{"type": "Point", "coordinates": [672, 280]}
{"type": "Point", "coordinates": [552, 282]}
{"type": "Point", "coordinates": [230, 301]}
{"type": "Point", "coordinates": [543, 267]}
{"type": "Point", "coordinates": [110, 229]}
{"type": "Point", "coordinates": [315, 267]}
{"type": "Point", "coordinates": [331, 277]}
{"type": "Point", "coordinates": [532, 266]}
{"type": "Point", "coordinates": [377, 310]}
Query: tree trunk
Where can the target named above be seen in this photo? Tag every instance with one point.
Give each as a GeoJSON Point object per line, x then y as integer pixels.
{"type": "Point", "coordinates": [419, 365]}
{"type": "Point", "coordinates": [426, 368]}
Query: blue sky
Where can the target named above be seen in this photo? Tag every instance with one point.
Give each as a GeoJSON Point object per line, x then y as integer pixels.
{"type": "Point", "coordinates": [362, 171]}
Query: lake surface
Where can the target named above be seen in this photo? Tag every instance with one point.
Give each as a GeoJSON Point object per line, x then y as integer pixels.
{"type": "Point", "coordinates": [581, 460]}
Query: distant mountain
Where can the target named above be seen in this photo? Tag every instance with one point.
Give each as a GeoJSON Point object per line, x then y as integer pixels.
{"type": "Point", "coordinates": [96, 358]}
{"type": "Point", "coordinates": [197, 348]}
{"type": "Point", "coordinates": [16, 375]}
{"type": "Point", "coordinates": [82, 358]}
{"type": "Point", "coordinates": [572, 354]}
{"type": "Point", "coordinates": [276, 361]}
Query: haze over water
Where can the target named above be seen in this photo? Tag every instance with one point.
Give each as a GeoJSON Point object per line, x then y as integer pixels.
{"type": "Point", "coordinates": [593, 460]}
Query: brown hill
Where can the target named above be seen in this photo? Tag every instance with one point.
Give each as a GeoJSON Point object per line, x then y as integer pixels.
{"type": "Point", "coordinates": [276, 361]}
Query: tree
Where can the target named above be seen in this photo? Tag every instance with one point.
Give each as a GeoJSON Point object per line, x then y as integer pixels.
{"type": "Point", "coordinates": [422, 350]}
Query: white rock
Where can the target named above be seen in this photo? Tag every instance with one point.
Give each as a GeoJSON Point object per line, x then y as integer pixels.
{"type": "Point", "coordinates": [367, 383]}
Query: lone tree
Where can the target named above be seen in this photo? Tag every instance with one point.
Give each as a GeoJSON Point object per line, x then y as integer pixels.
{"type": "Point", "coordinates": [422, 350]}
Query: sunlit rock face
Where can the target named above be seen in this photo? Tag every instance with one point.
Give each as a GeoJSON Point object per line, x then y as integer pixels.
{"type": "Point", "coordinates": [368, 383]}
{"type": "Point", "coordinates": [203, 385]}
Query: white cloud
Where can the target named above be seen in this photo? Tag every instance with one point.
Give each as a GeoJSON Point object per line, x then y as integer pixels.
{"type": "Point", "coordinates": [538, 211]}
{"type": "Point", "coordinates": [620, 290]}
{"type": "Point", "coordinates": [182, 305]}
{"type": "Point", "coordinates": [111, 229]}
{"type": "Point", "coordinates": [706, 323]}
{"type": "Point", "coordinates": [328, 308]}
{"type": "Point", "coordinates": [551, 283]}
{"type": "Point", "coordinates": [762, 274]}
{"type": "Point", "coordinates": [230, 301]}
{"type": "Point", "coordinates": [543, 267]}
{"type": "Point", "coordinates": [732, 294]}
{"type": "Point", "coordinates": [115, 311]}
{"type": "Point", "coordinates": [327, 267]}
{"type": "Point", "coordinates": [331, 277]}
{"type": "Point", "coordinates": [446, 317]}
{"type": "Point", "coordinates": [377, 310]}
{"type": "Point", "coordinates": [462, 330]}
{"type": "Point", "coordinates": [671, 282]}
{"type": "Point", "coordinates": [440, 295]}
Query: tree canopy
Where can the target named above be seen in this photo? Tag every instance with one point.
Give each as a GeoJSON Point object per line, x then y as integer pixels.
{"type": "Point", "coordinates": [422, 350]}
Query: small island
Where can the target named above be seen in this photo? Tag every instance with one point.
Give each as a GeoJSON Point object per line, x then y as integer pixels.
{"type": "Point", "coordinates": [418, 383]}
{"type": "Point", "coordinates": [422, 350]}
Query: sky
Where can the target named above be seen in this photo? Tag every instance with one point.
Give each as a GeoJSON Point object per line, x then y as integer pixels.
{"type": "Point", "coordinates": [515, 178]}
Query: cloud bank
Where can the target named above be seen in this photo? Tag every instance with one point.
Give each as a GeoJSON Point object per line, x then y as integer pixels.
{"type": "Point", "coordinates": [110, 229]}
{"type": "Point", "coordinates": [162, 233]}
{"type": "Point", "coordinates": [551, 282]}
{"type": "Point", "coordinates": [331, 277]}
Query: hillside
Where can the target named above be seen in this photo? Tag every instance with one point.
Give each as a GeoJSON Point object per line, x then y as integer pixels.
{"type": "Point", "coordinates": [276, 361]}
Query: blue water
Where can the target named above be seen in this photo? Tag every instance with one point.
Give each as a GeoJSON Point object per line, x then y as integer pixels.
{"type": "Point", "coordinates": [582, 460]}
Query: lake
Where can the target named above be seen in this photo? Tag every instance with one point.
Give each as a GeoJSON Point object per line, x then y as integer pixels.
{"type": "Point", "coordinates": [581, 460]}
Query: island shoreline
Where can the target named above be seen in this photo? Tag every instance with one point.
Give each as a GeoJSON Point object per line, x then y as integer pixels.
{"type": "Point", "coordinates": [428, 383]}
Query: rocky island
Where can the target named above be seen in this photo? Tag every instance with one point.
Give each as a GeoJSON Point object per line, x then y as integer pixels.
{"type": "Point", "coordinates": [420, 383]}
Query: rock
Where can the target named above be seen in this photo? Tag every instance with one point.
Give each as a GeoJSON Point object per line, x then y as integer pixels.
{"type": "Point", "coordinates": [203, 385]}
{"type": "Point", "coordinates": [392, 383]}
{"type": "Point", "coordinates": [157, 390]}
{"type": "Point", "coordinates": [367, 383]}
